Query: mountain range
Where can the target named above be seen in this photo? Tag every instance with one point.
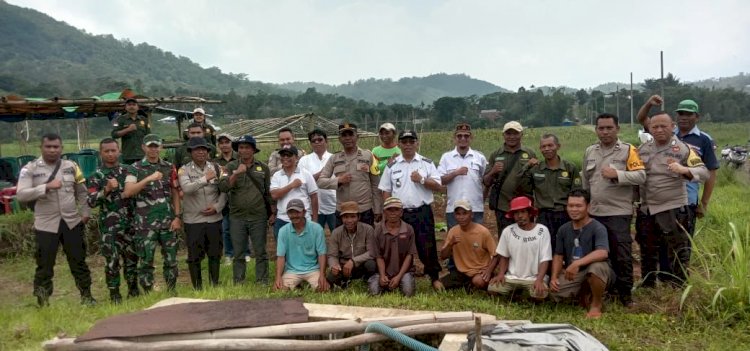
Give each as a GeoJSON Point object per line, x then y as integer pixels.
{"type": "Point", "coordinates": [43, 57]}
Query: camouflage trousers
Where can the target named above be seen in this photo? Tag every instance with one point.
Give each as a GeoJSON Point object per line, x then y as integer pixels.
{"type": "Point", "coordinates": [113, 246]}
{"type": "Point", "coordinates": [145, 243]}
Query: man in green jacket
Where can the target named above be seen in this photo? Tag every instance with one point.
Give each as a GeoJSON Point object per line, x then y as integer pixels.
{"type": "Point", "coordinates": [247, 183]}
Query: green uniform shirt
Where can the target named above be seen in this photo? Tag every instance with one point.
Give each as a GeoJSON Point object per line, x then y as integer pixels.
{"type": "Point", "coordinates": [222, 161]}
{"type": "Point", "coordinates": [131, 142]}
{"type": "Point", "coordinates": [153, 204]}
{"type": "Point", "coordinates": [552, 185]}
{"type": "Point", "coordinates": [512, 184]}
{"type": "Point", "coordinates": [245, 200]}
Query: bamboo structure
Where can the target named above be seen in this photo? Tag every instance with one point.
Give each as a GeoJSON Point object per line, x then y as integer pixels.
{"type": "Point", "coordinates": [266, 129]}
{"type": "Point", "coordinates": [68, 344]}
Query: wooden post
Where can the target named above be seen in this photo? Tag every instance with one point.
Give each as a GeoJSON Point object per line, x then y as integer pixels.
{"type": "Point", "coordinates": [69, 344]}
{"type": "Point", "coordinates": [478, 333]}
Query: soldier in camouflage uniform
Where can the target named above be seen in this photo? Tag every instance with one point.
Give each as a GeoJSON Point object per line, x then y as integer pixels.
{"type": "Point", "coordinates": [115, 214]}
{"type": "Point", "coordinates": [151, 182]}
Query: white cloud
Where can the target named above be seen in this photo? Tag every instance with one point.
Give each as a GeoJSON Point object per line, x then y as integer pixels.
{"type": "Point", "coordinates": [512, 44]}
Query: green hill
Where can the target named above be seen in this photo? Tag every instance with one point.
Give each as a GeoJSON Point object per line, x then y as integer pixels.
{"type": "Point", "coordinates": [413, 90]}
{"type": "Point", "coordinates": [40, 56]}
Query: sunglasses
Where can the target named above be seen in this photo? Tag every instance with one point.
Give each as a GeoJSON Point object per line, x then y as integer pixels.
{"type": "Point", "coordinates": [463, 136]}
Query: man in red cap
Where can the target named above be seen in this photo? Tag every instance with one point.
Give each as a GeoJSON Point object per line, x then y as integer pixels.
{"type": "Point", "coordinates": [524, 253]}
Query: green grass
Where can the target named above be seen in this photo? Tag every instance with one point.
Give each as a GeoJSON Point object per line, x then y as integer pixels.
{"type": "Point", "coordinates": [712, 315]}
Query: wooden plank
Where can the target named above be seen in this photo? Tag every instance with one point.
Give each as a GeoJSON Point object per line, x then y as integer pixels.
{"type": "Point", "coordinates": [198, 317]}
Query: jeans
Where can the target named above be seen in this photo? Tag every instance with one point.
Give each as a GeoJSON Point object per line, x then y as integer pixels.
{"type": "Point", "coordinates": [327, 219]}
{"type": "Point", "coordinates": [277, 226]}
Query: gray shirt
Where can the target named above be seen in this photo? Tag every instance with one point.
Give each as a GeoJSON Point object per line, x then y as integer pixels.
{"type": "Point", "coordinates": [593, 236]}
{"type": "Point", "coordinates": [54, 204]}
{"type": "Point", "coordinates": [199, 193]}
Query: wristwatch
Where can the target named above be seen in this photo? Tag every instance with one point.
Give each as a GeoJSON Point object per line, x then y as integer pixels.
{"type": "Point", "coordinates": [421, 181]}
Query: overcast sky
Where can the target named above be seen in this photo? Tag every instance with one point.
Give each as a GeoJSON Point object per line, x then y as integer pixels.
{"type": "Point", "coordinates": [509, 43]}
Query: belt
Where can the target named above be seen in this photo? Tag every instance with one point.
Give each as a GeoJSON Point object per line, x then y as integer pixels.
{"type": "Point", "coordinates": [414, 210]}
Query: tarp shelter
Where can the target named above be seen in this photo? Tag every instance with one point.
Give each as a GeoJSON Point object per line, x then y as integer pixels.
{"type": "Point", "coordinates": [18, 109]}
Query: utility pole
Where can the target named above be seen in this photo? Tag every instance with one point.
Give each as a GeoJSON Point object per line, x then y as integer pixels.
{"type": "Point", "coordinates": [617, 99]}
{"type": "Point", "coordinates": [663, 98]}
{"type": "Point", "coordinates": [631, 99]}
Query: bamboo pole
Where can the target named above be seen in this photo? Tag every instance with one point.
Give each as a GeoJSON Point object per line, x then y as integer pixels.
{"type": "Point", "coordinates": [68, 344]}
{"type": "Point", "coordinates": [311, 328]}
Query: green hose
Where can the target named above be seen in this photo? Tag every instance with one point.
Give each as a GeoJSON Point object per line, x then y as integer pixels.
{"type": "Point", "coordinates": [397, 336]}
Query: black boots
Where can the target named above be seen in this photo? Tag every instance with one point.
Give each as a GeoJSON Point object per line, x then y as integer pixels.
{"type": "Point", "coordinates": [115, 297]}
{"type": "Point", "coordinates": [195, 275]}
{"type": "Point", "coordinates": [87, 299]}
{"type": "Point", "coordinates": [214, 265]}
{"type": "Point", "coordinates": [133, 290]}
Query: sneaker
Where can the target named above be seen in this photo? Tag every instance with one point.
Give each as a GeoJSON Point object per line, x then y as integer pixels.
{"type": "Point", "coordinates": [247, 258]}
{"type": "Point", "coordinates": [227, 260]}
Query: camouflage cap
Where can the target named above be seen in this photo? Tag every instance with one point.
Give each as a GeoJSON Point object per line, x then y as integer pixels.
{"type": "Point", "coordinates": [152, 139]}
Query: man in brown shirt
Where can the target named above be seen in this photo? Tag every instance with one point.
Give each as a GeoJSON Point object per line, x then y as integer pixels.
{"type": "Point", "coordinates": [348, 254]}
{"type": "Point", "coordinates": [394, 249]}
{"type": "Point", "coordinates": [59, 189]}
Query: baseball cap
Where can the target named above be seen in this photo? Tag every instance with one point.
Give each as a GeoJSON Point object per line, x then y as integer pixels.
{"type": "Point", "coordinates": [245, 139]}
{"type": "Point", "coordinates": [197, 142]}
{"type": "Point", "coordinates": [392, 202]}
{"type": "Point", "coordinates": [512, 125]}
{"type": "Point", "coordinates": [687, 106]}
{"type": "Point", "coordinates": [295, 204]}
{"type": "Point", "coordinates": [407, 134]}
{"type": "Point", "coordinates": [129, 100]}
{"type": "Point", "coordinates": [462, 204]}
{"type": "Point", "coordinates": [387, 126]}
{"type": "Point", "coordinates": [225, 136]}
{"type": "Point", "coordinates": [151, 139]}
{"type": "Point", "coordinates": [463, 127]}
{"type": "Point", "coordinates": [289, 149]}
{"type": "Point", "coordinates": [349, 207]}
{"type": "Point", "coordinates": [520, 203]}
{"type": "Point", "coordinates": [347, 127]}
{"type": "Point", "coordinates": [199, 110]}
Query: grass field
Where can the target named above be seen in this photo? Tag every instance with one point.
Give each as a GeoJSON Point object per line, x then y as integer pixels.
{"type": "Point", "coordinates": [713, 313]}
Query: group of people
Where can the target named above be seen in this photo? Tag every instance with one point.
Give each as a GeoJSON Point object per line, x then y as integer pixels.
{"type": "Point", "coordinates": [562, 232]}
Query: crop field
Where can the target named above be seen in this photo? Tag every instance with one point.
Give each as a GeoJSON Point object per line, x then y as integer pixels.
{"type": "Point", "coordinates": [711, 313]}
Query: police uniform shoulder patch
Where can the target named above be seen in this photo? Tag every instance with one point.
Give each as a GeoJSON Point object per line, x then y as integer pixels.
{"type": "Point", "coordinates": [693, 160]}
{"type": "Point", "coordinates": [425, 159]}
